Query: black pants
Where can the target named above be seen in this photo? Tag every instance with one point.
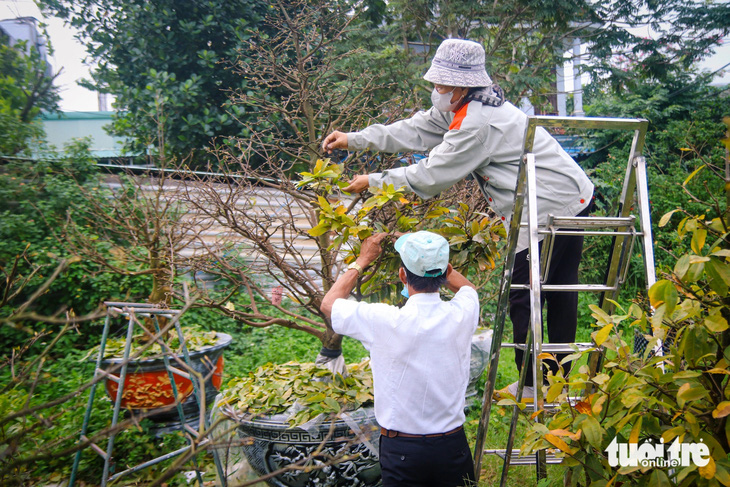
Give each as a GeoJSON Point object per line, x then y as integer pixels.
{"type": "Point", "coordinates": [562, 306]}
{"type": "Point", "coordinates": [443, 461]}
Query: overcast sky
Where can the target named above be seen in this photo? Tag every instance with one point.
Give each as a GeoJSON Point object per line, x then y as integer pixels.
{"type": "Point", "coordinates": [69, 55]}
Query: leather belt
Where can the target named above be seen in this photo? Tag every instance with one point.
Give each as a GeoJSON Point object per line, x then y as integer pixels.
{"type": "Point", "coordinates": [392, 433]}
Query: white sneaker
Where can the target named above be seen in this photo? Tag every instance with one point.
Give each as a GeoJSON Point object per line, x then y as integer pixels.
{"type": "Point", "coordinates": [510, 392]}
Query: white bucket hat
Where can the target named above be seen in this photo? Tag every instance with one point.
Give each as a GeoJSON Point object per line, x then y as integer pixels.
{"type": "Point", "coordinates": [422, 252]}
{"type": "Point", "coordinates": [458, 62]}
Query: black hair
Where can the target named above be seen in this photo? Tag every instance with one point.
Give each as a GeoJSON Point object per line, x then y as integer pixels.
{"type": "Point", "coordinates": [425, 284]}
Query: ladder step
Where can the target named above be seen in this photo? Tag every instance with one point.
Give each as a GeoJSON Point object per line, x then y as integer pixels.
{"type": "Point", "coordinates": [594, 288]}
{"type": "Point", "coordinates": [516, 459]}
{"type": "Point", "coordinates": [550, 406]}
{"type": "Point", "coordinates": [594, 222]}
{"type": "Point", "coordinates": [555, 347]}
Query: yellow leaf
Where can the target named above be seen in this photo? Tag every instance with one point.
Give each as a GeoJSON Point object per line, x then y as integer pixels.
{"type": "Point", "coordinates": [719, 371]}
{"type": "Point", "coordinates": [601, 335]}
{"type": "Point", "coordinates": [666, 217]}
{"type": "Point", "coordinates": [553, 392]}
{"type": "Point", "coordinates": [722, 410]}
{"type": "Point", "coordinates": [635, 430]}
{"type": "Point", "coordinates": [708, 471]}
{"type": "Point", "coordinates": [558, 443]}
{"type": "Point", "coordinates": [598, 406]}
{"type": "Point", "coordinates": [563, 432]}
{"type": "Point", "coordinates": [672, 433]}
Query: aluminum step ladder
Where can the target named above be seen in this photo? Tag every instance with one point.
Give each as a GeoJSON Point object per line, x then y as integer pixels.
{"type": "Point", "coordinates": [621, 228]}
{"type": "Point", "coordinates": [197, 439]}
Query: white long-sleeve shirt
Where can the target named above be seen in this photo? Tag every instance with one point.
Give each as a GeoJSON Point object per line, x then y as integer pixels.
{"type": "Point", "coordinates": [420, 356]}
{"type": "Point", "coordinates": [485, 140]}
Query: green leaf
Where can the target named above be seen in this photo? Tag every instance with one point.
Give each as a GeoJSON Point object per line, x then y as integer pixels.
{"type": "Point", "coordinates": [663, 292]}
{"type": "Point", "coordinates": [332, 404]}
{"type": "Point", "coordinates": [592, 430]}
{"type": "Point", "coordinates": [720, 269]}
{"type": "Point", "coordinates": [690, 391]}
{"type": "Point", "coordinates": [320, 229]}
{"type": "Point", "coordinates": [659, 479]}
{"type": "Point", "coordinates": [716, 323]}
{"type": "Point", "coordinates": [682, 266]}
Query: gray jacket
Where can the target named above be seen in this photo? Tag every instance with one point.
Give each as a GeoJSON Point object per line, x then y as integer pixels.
{"type": "Point", "coordinates": [485, 140]}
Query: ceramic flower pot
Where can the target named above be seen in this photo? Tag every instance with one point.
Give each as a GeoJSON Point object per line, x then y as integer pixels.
{"type": "Point", "coordinates": [269, 443]}
{"type": "Point", "coordinates": [148, 387]}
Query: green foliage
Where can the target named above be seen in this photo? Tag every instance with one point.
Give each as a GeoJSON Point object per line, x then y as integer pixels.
{"type": "Point", "coordinates": [194, 338]}
{"type": "Point", "coordinates": [473, 236]}
{"type": "Point", "coordinates": [684, 126]}
{"type": "Point", "coordinates": [315, 390]}
{"type": "Point", "coordinates": [25, 89]}
{"type": "Point", "coordinates": [525, 40]}
{"type": "Point", "coordinates": [682, 394]}
{"type": "Point", "coordinates": [35, 199]}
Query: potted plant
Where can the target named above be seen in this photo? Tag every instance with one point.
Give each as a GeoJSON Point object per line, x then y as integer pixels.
{"type": "Point", "coordinates": [136, 225]}
{"type": "Point", "coordinates": [301, 424]}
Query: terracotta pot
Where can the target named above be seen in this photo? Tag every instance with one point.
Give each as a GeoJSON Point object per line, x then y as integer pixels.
{"type": "Point", "coordinates": [148, 387]}
{"type": "Point", "coordinates": [269, 444]}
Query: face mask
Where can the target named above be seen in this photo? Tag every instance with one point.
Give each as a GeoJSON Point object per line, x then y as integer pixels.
{"type": "Point", "coordinates": [404, 292]}
{"type": "Point", "coordinates": [443, 103]}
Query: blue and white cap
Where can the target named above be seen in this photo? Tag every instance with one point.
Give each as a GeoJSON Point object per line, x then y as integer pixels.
{"type": "Point", "coordinates": [425, 254]}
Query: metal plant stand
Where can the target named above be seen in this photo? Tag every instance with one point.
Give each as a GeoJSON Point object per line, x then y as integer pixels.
{"type": "Point", "coordinates": [197, 439]}
{"type": "Point", "coordinates": [621, 228]}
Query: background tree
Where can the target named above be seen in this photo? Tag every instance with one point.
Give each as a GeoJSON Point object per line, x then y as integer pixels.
{"type": "Point", "coordinates": [176, 48]}
{"type": "Point", "coordinates": [525, 40]}
{"type": "Point", "coordinates": [26, 88]}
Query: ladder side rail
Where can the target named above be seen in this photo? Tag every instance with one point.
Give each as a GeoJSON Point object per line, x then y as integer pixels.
{"type": "Point", "coordinates": [90, 403]}
{"type": "Point", "coordinates": [149, 463]}
{"type": "Point", "coordinates": [618, 252]}
{"type": "Point", "coordinates": [502, 307]}
{"type": "Point", "coordinates": [507, 459]}
{"type": "Point", "coordinates": [642, 194]}
{"type": "Point", "coordinates": [546, 254]}
{"type": "Point", "coordinates": [624, 270]}
{"type": "Point", "coordinates": [535, 300]}
{"type": "Point", "coordinates": [605, 123]}
{"type": "Point", "coordinates": [623, 209]}
{"type": "Point", "coordinates": [199, 391]}
{"type": "Point", "coordinates": [118, 401]}
{"type": "Point", "coordinates": [170, 375]}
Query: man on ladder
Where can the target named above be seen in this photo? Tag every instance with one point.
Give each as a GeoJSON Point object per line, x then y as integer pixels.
{"type": "Point", "coordinates": [472, 129]}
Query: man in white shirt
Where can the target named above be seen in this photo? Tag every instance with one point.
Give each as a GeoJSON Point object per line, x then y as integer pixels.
{"type": "Point", "coordinates": [420, 359]}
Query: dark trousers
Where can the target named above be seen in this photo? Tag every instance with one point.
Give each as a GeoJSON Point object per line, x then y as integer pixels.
{"type": "Point", "coordinates": [562, 307]}
{"type": "Point", "coordinates": [443, 461]}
